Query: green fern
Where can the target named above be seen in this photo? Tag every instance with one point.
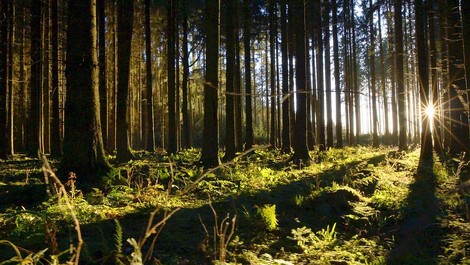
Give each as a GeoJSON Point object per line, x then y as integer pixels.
{"type": "Point", "coordinates": [268, 216]}
{"type": "Point", "coordinates": [118, 237]}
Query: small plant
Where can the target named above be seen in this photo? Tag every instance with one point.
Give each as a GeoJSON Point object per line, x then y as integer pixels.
{"type": "Point", "coordinates": [222, 234]}
{"type": "Point", "coordinates": [311, 242]}
{"type": "Point", "coordinates": [268, 216]}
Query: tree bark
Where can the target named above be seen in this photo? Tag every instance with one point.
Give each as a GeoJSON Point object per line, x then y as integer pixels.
{"type": "Point", "coordinates": [125, 19]}
{"type": "Point", "coordinates": [83, 145]}
{"type": "Point", "coordinates": [150, 134]}
{"type": "Point", "coordinates": [401, 94]}
{"type": "Point", "coordinates": [339, 124]}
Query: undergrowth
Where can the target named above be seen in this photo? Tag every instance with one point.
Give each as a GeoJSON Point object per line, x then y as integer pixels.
{"type": "Point", "coordinates": [355, 205]}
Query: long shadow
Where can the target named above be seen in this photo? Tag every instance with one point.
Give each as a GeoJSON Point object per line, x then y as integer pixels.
{"type": "Point", "coordinates": [419, 235]}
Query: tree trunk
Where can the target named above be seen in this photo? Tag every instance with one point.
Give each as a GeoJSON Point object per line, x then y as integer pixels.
{"type": "Point", "coordinates": [339, 125]}
{"type": "Point", "coordinates": [124, 31]}
{"type": "Point", "coordinates": [171, 28]}
{"type": "Point", "coordinates": [285, 82]}
{"type": "Point", "coordinates": [402, 143]}
{"type": "Point", "coordinates": [383, 82]}
{"type": "Point", "coordinates": [230, 83]}
{"type": "Point", "coordinates": [375, 120]}
{"type": "Point", "coordinates": [319, 69]}
{"type": "Point", "coordinates": [272, 69]}
{"type": "Point", "coordinates": [329, 111]}
{"type": "Point", "coordinates": [150, 134]}
{"type": "Point", "coordinates": [423, 77]}
{"type": "Point", "coordinates": [83, 145]}
{"type": "Point", "coordinates": [301, 154]}
{"type": "Point", "coordinates": [3, 81]}
{"type": "Point", "coordinates": [186, 133]}
{"type": "Point", "coordinates": [56, 149]}
{"type": "Point", "coordinates": [210, 147]}
{"type": "Point", "coordinates": [100, 6]}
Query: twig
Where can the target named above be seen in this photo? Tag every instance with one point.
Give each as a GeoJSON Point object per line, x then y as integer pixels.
{"type": "Point", "coordinates": [231, 162]}
{"type": "Point", "coordinates": [48, 172]}
{"type": "Point", "coordinates": [153, 229]}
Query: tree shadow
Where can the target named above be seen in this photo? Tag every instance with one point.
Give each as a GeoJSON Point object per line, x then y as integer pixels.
{"type": "Point", "coordinates": [418, 238]}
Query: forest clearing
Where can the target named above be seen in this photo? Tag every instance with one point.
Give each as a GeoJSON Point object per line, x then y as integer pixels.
{"type": "Point", "coordinates": [355, 205]}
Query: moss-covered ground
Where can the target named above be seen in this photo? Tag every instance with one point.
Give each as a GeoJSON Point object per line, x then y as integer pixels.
{"type": "Point", "coordinates": [355, 205]}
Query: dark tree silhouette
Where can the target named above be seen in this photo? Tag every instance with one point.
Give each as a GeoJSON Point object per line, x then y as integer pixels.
{"type": "Point", "coordinates": [125, 19]}
{"type": "Point", "coordinates": [150, 136]}
{"type": "Point", "coordinates": [248, 97]}
{"type": "Point", "coordinates": [83, 145]}
{"type": "Point", "coordinates": [210, 145]}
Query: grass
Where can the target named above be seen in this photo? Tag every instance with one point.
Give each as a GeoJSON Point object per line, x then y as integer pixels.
{"type": "Point", "coordinates": [355, 205]}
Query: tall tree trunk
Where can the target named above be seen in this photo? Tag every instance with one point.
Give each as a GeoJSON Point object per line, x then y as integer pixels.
{"type": "Point", "coordinates": [3, 81]}
{"type": "Point", "coordinates": [383, 82]}
{"type": "Point", "coordinates": [34, 115]}
{"type": "Point", "coordinates": [238, 86]}
{"type": "Point", "coordinates": [56, 149]}
{"type": "Point", "coordinates": [230, 83]}
{"type": "Point", "coordinates": [186, 132]}
{"type": "Point", "coordinates": [248, 98]}
{"type": "Point", "coordinates": [210, 147]}
{"type": "Point", "coordinates": [272, 69]}
{"type": "Point", "coordinates": [355, 73]}
{"type": "Point", "coordinates": [423, 77]}
{"type": "Point", "coordinates": [319, 69]}
{"type": "Point", "coordinates": [100, 6]}
{"type": "Point", "coordinates": [124, 30]}
{"type": "Point", "coordinates": [171, 28]}
{"type": "Point", "coordinates": [150, 134]}
{"type": "Point", "coordinates": [286, 145]}
{"type": "Point", "coordinates": [329, 111]}
{"type": "Point", "coordinates": [300, 148]}
{"type": "Point", "coordinates": [339, 125]}
{"type": "Point", "coordinates": [375, 119]}
{"type": "Point", "coordinates": [457, 86]}
{"type": "Point", "coordinates": [436, 125]}
{"type": "Point", "coordinates": [402, 143]}
{"type": "Point", "coordinates": [10, 73]}
{"type": "Point", "coordinates": [83, 145]}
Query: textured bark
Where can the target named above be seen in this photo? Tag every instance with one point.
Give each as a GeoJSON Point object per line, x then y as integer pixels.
{"type": "Point", "coordinates": [329, 111]}
{"type": "Point", "coordinates": [83, 145]}
{"type": "Point", "coordinates": [248, 90]}
{"type": "Point", "coordinates": [375, 120]}
{"type": "Point", "coordinates": [339, 124]}
{"type": "Point", "coordinates": [150, 134]}
{"type": "Point", "coordinates": [186, 132]}
{"type": "Point", "coordinates": [300, 148]}
{"type": "Point", "coordinates": [401, 94]}
{"type": "Point", "coordinates": [102, 63]}
{"type": "Point", "coordinates": [33, 128]}
{"type": "Point", "coordinates": [56, 148]}
{"type": "Point", "coordinates": [3, 81]}
{"type": "Point", "coordinates": [125, 19]}
{"type": "Point", "coordinates": [171, 57]}
{"type": "Point", "coordinates": [286, 144]}
{"type": "Point", "coordinates": [210, 147]}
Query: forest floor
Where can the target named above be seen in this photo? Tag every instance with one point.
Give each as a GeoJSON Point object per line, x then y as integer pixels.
{"type": "Point", "coordinates": [355, 205]}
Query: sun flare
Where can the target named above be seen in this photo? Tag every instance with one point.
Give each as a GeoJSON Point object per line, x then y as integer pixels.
{"type": "Point", "coordinates": [429, 111]}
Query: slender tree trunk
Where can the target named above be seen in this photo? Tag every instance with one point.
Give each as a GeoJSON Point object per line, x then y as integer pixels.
{"type": "Point", "coordinates": [150, 133]}
{"type": "Point", "coordinates": [423, 77]}
{"type": "Point", "coordinates": [286, 145]}
{"type": "Point", "coordinates": [339, 125]}
{"type": "Point", "coordinates": [248, 98]}
{"type": "Point", "coordinates": [329, 111]}
{"type": "Point", "coordinates": [300, 148]}
{"type": "Point", "coordinates": [230, 82]}
{"type": "Point", "coordinates": [102, 63]}
{"type": "Point", "coordinates": [56, 149]}
{"type": "Point", "coordinates": [237, 85]}
{"type": "Point", "coordinates": [402, 143]}
{"type": "Point", "coordinates": [171, 28]}
{"type": "Point", "coordinates": [186, 133]}
{"type": "Point", "coordinates": [320, 88]}
{"type": "Point", "coordinates": [33, 129]}
{"type": "Point", "coordinates": [272, 71]}
{"type": "Point", "coordinates": [124, 29]}
{"type": "Point", "coordinates": [375, 119]}
{"type": "Point", "coordinates": [210, 146]}
{"type": "Point", "coordinates": [4, 5]}
{"type": "Point", "coordinates": [383, 82]}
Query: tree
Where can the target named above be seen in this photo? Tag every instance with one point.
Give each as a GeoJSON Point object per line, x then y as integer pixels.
{"type": "Point", "coordinates": [247, 48]}
{"type": "Point", "coordinates": [272, 68]}
{"type": "Point", "coordinates": [3, 81]}
{"type": "Point", "coordinates": [186, 132]}
{"type": "Point", "coordinates": [55, 123]}
{"type": "Point", "coordinates": [210, 147]}
{"type": "Point", "coordinates": [100, 6]}
{"type": "Point", "coordinates": [171, 37]}
{"type": "Point", "coordinates": [150, 136]}
{"type": "Point", "coordinates": [83, 145]}
{"type": "Point", "coordinates": [230, 82]}
{"type": "Point", "coordinates": [300, 148]}
{"type": "Point", "coordinates": [286, 144]}
{"type": "Point", "coordinates": [329, 111]}
{"type": "Point", "coordinates": [402, 143]}
{"type": "Point", "coordinates": [375, 120]}
{"type": "Point", "coordinates": [423, 77]}
{"type": "Point", "coordinates": [319, 69]}
{"type": "Point", "coordinates": [125, 19]}
{"type": "Point", "coordinates": [339, 125]}
{"type": "Point", "coordinates": [33, 130]}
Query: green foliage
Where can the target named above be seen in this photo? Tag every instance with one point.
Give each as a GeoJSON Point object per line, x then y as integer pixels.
{"type": "Point", "coordinates": [267, 214]}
